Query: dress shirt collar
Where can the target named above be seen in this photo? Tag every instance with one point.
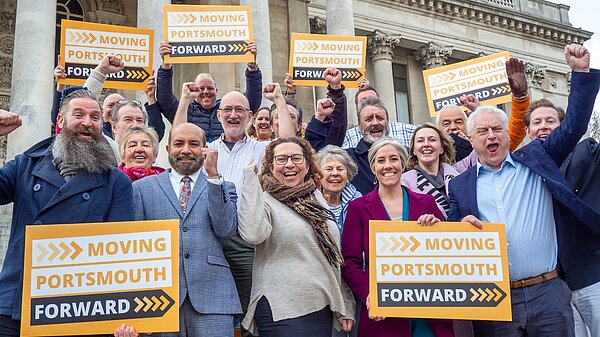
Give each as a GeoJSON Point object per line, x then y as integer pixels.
{"type": "Point", "coordinates": [178, 176]}
{"type": "Point", "coordinates": [507, 160]}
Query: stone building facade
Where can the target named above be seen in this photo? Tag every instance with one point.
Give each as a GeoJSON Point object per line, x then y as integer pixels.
{"type": "Point", "coordinates": [404, 37]}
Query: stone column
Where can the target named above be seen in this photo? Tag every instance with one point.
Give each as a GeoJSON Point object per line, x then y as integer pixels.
{"type": "Point", "coordinates": [340, 21]}
{"type": "Point", "coordinates": [33, 66]}
{"type": "Point", "coordinates": [262, 35]}
{"type": "Point", "coordinates": [381, 47]}
{"type": "Point", "coordinates": [318, 25]}
{"type": "Point", "coordinates": [149, 16]}
{"type": "Point", "coordinates": [433, 55]}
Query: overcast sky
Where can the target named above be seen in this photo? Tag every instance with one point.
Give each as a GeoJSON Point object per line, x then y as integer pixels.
{"type": "Point", "coordinates": [585, 14]}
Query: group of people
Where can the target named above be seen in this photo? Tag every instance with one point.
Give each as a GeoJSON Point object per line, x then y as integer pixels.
{"type": "Point", "coordinates": [274, 215]}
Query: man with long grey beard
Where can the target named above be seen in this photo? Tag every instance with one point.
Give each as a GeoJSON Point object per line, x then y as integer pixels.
{"type": "Point", "coordinates": [69, 178]}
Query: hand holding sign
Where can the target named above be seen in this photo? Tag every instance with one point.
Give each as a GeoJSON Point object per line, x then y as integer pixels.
{"type": "Point", "coordinates": [272, 92]}
{"type": "Point", "coordinates": [59, 74]}
{"type": "Point", "coordinates": [577, 57]}
{"type": "Point", "coordinates": [210, 161]}
{"type": "Point", "coordinates": [473, 221]}
{"type": "Point", "coordinates": [289, 84]}
{"type": "Point", "coordinates": [151, 90]}
{"type": "Point", "coordinates": [427, 220]}
{"type": "Point", "coordinates": [375, 318]}
{"type": "Point", "coordinates": [334, 77]}
{"type": "Point", "coordinates": [364, 82]}
{"type": "Point", "coordinates": [164, 49]}
{"type": "Point", "coordinates": [125, 331]}
{"type": "Point", "coordinates": [251, 47]}
{"type": "Point", "coordinates": [325, 107]}
{"type": "Point", "coordinates": [190, 91]}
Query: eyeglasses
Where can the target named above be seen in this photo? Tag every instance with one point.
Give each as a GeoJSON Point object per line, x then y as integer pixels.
{"type": "Point", "coordinates": [126, 101]}
{"type": "Point", "coordinates": [282, 159]}
{"type": "Point", "coordinates": [237, 109]}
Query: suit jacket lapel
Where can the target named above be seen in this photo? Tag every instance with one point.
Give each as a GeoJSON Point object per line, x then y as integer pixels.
{"type": "Point", "coordinates": [375, 207]}
{"type": "Point", "coordinates": [199, 187]}
{"type": "Point", "coordinates": [164, 181]}
{"type": "Point", "coordinates": [472, 191]}
{"type": "Point", "coordinates": [81, 182]}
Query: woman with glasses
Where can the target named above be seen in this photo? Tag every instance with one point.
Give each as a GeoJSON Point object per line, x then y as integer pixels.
{"type": "Point", "coordinates": [259, 127]}
{"type": "Point", "coordinates": [139, 149]}
{"type": "Point", "coordinates": [388, 201]}
{"type": "Point", "coordinates": [297, 288]}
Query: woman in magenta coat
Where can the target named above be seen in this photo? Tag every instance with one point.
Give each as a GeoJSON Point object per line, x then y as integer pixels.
{"type": "Point", "coordinates": [389, 201]}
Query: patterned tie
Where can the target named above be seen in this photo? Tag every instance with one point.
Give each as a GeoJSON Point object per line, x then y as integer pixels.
{"type": "Point", "coordinates": [184, 194]}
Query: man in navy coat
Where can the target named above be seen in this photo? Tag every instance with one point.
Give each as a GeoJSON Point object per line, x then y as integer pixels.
{"type": "Point", "coordinates": [69, 178]}
{"type": "Point", "coordinates": [526, 191]}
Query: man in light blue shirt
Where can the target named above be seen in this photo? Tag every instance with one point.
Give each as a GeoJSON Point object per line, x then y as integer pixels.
{"type": "Point", "coordinates": [525, 190]}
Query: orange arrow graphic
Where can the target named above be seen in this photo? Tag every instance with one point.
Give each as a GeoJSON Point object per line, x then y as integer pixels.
{"type": "Point", "coordinates": [481, 294]}
{"type": "Point", "coordinates": [396, 243]}
{"type": "Point", "coordinates": [55, 251]}
{"type": "Point", "coordinates": [475, 295]}
{"type": "Point", "coordinates": [140, 304]}
{"type": "Point", "coordinates": [148, 304]}
{"type": "Point", "coordinates": [43, 251]}
{"type": "Point", "coordinates": [405, 242]}
{"type": "Point", "coordinates": [93, 38]}
{"type": "Point", "coordinates": [165, 303]}
{"type": "Point", "coordinates": [156, 303]}
{"type": "Point", "coordinates": [76, 250]}
{"type": "Point", "coordinates": [415, 242]}
{"type": "Point", "coordinates": [498, 295]}
{"type": "Point", "coordinates": [385, 244]}
{"type": "Point", "coordinates": [489, 293]}
{"type": "Point", "coordinates": [66, 252]}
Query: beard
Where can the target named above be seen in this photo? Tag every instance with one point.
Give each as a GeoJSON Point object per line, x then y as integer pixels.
{"type": "Point", "coordinates": [186, 169]}
{"type": "Point", "coordinates": [94, 156]}
{"type": "Point", "coordinates": [368, 136]}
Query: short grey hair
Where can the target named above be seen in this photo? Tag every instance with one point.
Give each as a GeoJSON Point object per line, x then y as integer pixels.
{"type": "Point", "coordinates": [446, 108]}
{"type": "Point", "coordinates": [148, 131]}
{"type": "Point", "coordinates": [486, 109]}
{"type": "Point", "coordinates": [116, 111]}
{"type": "Point", "coordinates": [340, 155]}
{"type": "Point", "coordinates": [372, 101]}
{"type": "Point", "coordinates": [381, 142]}
{"type": "Point", "coordinates": [80, 93]}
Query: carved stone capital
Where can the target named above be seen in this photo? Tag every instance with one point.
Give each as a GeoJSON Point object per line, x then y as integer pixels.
{"type": "Point", "coordinates": [568, 75]}
{"type": "Point", "coordinates": [109, 18]}
{"type": "Point", "coordinates": [318, 25]}
{"type": "Point", "coordinates": [113, 6]}
{"type": "Point", "coordinates": [433, 55]}
{"type": "Point", "coordinates": [381, 44]}
{"type": "Point", "coordinates": [535, 74]}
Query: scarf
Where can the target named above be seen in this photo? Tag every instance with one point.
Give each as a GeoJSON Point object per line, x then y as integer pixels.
{"type": "Point", "coordinates": [135, 173]}
{"type": "Point", "coordinates": [302, 199]}
{"type": "Point", "coordinates": [67, 171]}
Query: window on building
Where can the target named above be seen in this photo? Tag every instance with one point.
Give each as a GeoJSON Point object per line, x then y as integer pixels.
{"type": "Point", "coordinates": [69, 10]}
{"type": "Point", "coordinates": [401, 92]}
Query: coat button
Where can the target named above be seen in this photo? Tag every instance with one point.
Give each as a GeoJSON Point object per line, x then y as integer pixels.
{"type": "Point", "coordinates": [37, 222]}
{"type": "Point", "coordinates": [37, 187]}
{"type": "Point", "coordinates": [86, 196]}
{"type": "Point", "coordinates": [185, 229]}
{"type": "Point", "coordinates": [186, 255]}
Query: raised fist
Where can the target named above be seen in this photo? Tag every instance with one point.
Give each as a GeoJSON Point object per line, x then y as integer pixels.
{"type": "Point", "coordinates": [577, 57]}
{"type": "Point", "coordinates": [272, 91]}
{"type": "Point", "coordinates": [333, 76]}
{"type": "Point", "coordinates": [470, 101]}
{"type": "Point", "coordinates": [110, 64]}
{"type": "Point", "coordinates": [190, 91]}
{"type": "Point", "coordinates": [325, 107]}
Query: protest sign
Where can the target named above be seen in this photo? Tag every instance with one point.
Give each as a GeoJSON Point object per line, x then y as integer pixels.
{"type": "Point", "coordinates": [485, 77]}
{"type": "Point", "coordinates": [311, 54]}
{"type": "Point", "coordinates": [89, 278]}
{"type": "Point", "coordinates": [202, 34]}
{"type": "Point", "coordinates": [83, 45]}
{"type": "Point", "coordinates": [449, 270]}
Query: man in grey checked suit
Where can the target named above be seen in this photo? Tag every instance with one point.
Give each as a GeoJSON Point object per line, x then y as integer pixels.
{"type": "Point", "coordinates": [207, 295]}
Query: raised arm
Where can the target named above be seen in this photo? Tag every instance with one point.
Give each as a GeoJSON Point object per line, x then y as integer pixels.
{"type": "Point", "coordinates": [110, 64]}
{"type": "Point", "coordinates": [155, 119]}
{"type": "Point", "coordinates": [319, 126]}
{"type": "Point", "coordinates": [222, 207]}
{"type": "Point", "coordinates": [584, 88]}
{"type": "Point", "coordinates": [254, 223]}
{"type": "Point", "coordinates": [515, 69]}
{"type": "Point", "coordinates": [253, 80]}
{"type": "Point", "coordinates": [339, 116]}
{"type": "Point", "coordinates": [189, 92]}
{"type": "Point", "coordinates": [272, 92]}
{"type": "Point", "coordinates": [9, 121]}
{"type": "Point", "coordinates": [164, 80]}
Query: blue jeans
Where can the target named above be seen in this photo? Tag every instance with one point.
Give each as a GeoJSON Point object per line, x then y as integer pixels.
{"type": "Point", "coordinates": [542, 310]}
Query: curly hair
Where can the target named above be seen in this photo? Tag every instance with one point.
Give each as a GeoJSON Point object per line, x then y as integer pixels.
{"type": "Point", "coordinates": [448, 155]}
{"type": "Point", "coordinates": [310, 158]}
